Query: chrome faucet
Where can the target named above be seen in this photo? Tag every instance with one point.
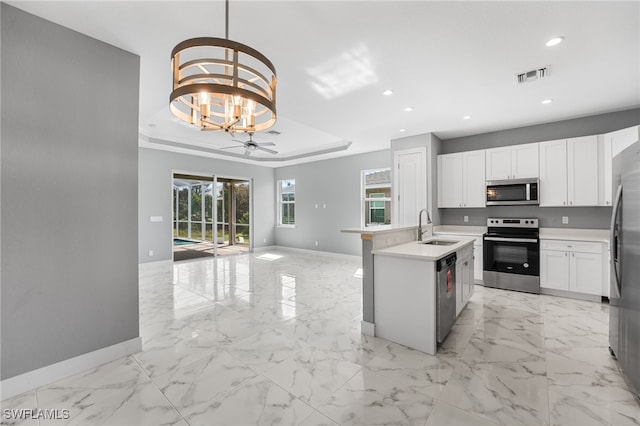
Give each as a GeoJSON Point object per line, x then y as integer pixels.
{"type": "Point", "coordinates": [420, 222]}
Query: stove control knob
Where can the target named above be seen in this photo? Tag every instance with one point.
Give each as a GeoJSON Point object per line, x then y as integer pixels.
{"type": "Point", "coordinates": [526, 265]}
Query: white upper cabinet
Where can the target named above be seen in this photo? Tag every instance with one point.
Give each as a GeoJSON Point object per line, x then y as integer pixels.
{"type": "Point", "coordinates": [498, 163]}
{"type": "Point", "coordinates": [613, 144]}
{"type": "Point", "coordinates": [461, 180]}
{"type": "Point", "coordinates": [473, 176]}
{"type": "Point", "coordinates": [524, 161]}
{"type": "Point", "coordinates": [582, 168]}
{"type": "Point", "coordinates": [569, 172]}
{"type": "Point", "coordinates": [553, 173]}
{"type": "Point", "coordinates": [512, 162]}
{"type": "Point", "coordinates": [450, 180]}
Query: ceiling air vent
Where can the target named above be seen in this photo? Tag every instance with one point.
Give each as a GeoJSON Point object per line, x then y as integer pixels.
{"type": "Point", "coordinates": [273, 132]}
{"type": "Point", "coordinates": [533, 75]}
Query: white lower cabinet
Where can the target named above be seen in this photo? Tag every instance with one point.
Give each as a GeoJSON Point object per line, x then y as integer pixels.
{"type": "Point", "coordinates": [464, 278]}
{"type": "Point", "coordinates": [478, 255]}
{"type": "Point", "coordinates": [573, 266]}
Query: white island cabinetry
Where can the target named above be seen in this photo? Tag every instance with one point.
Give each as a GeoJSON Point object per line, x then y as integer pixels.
{"type": "Point", "coordinates": [405, 288]}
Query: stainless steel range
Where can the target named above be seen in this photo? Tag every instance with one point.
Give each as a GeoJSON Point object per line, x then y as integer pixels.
{"type": "Point", "coordinates": [512, 254]}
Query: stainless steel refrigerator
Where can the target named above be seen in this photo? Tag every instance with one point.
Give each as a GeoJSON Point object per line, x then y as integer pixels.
{"type": "Point", "coordinates": [624, 295]}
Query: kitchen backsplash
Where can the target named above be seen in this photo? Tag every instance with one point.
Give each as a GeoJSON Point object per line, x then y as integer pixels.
{"type": "Point", "coordinates": [549, 217]}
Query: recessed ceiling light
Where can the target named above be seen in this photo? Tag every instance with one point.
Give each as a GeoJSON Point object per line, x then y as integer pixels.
{"type": "Point", "coordinates": [408, 109]}
{"type": "Point", "coordinates": [387, 92]}
{"type": "Point", "coordinates": [547, 101]}
{"type": "Point", "coordinates": [466, 117]}
{"type": "Point", "coordinates": [403, 130]}
{"type": "Point", "coordinates": [554, 41]}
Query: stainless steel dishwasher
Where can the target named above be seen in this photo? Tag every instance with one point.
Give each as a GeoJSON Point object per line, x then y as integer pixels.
{"type": "Point", "coordinates": [445, 295]}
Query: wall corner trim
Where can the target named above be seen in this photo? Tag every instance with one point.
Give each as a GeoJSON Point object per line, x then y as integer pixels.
{"type": "Point", "coordinates": [42, 376]}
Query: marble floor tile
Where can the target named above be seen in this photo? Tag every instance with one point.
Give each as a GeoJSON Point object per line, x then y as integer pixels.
{"type": "Point", "coordinates": [274, 338]}
{"type": "Point", "coordinates": [318, 419]}
{"type": "Point", "coordinates": [312, 375]}
{"type": "Point", "coordinates": [445, 414]}
{"type": "Point", "coordinates": [505, 394]}
{"type": "Point", "coordinates": [255, 402]}
{"type": "Point", "coordinates": [379, 398]}
{"type": "Point", "coordinates": [203, 379]}
{"type": "Point", "coordinates": [112, 394]}
{"type": "Point", "coordinates": [266, 349]}
{"type": "Point", "coordinates": [19, 410]}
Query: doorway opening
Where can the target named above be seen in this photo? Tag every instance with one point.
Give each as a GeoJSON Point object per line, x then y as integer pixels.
{"type": "Point", "coordinates": [211, 216]}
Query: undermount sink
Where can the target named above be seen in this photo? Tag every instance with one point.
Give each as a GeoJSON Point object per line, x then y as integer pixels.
{"type": "Point", "coordinates": [439, 242]}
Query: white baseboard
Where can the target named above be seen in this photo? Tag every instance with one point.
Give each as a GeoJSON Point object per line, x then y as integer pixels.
{"type": "Point", "coordinates": [571, 295]}
{"type": "Point", "coordinates": [42, 376]}
{"type": "Point", "coordinates": [150, 266]}
{"type": "Point", "coordinates": [368, 328]}
{"type": "Point", "coordinates": [264, 248]}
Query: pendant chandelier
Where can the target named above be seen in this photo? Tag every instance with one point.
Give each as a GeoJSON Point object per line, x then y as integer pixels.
{"type": "Point", "coordinates": [219, 84]}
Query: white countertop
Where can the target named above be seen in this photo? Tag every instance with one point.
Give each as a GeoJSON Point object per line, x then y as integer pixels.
{"type": "Point", "coordinates": [599, 235]}
{"type": "Point", "coordinates": [416, 250]}
{"type": "Point", "coordinates": [380, 229]}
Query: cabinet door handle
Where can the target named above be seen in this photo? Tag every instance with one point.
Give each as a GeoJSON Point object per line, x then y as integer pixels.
{"type": "Point", "coordinates": [570, 202]}
{"type": "Point", "coordinates": [564, 202]}
{"type": "Point", "coordinates": [566, 254]}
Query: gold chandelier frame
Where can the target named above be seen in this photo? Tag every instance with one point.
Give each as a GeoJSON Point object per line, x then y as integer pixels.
{"type": "Point", "coordinates": [219, 84]}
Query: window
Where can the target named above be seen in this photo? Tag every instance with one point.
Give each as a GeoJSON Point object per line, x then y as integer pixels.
{"type": "Point", "coordinates": [376, 197]}
{"type": "Point", "coordinates": [287, 202]}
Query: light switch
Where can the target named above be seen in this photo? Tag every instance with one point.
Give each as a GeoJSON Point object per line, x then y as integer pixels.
{"type": "Point", "coordinates": [155, 219]}
{"type": "Point", "coordinates": [565, 220]}
{"type": "Point", "coordinates": [466, 218]}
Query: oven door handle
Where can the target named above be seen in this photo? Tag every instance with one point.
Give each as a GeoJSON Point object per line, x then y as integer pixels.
{"type": "Point", "coordinates": [512, 240]}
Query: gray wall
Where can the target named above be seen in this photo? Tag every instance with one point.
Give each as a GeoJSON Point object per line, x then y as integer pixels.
{"type": "Point", "coordinates": [336, 183]}
{"type": "Point", "coordinates": [69, 193]}
{"type": "Point", "coordinates": [551, 217]}
{"type": "Point", "coordinates": [155, 197]}
{"type": "Point", "coordinates": [591, 125]}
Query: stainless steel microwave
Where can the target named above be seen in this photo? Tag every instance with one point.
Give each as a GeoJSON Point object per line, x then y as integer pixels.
{"type": "Point", "coordinates": [513, 192]}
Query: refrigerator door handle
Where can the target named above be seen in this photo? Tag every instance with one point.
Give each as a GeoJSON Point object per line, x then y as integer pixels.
{"type": "Point", "coordinates": [613, 240]}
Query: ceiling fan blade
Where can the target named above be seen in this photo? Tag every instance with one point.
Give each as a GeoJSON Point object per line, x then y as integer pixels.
{"type": "Point", "coordinates": [230, 147]}
{"type": "Point", "coordinates": [270, 151]}
{"type": "Point", "coordinates": [247, 153]}
{"type": "Point", "coordinates": [266, 144]}
{"type": "Point", "coordinates": [239, 141]}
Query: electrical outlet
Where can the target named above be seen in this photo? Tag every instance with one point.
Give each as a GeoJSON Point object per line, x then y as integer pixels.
{"type": "Point", "coordinates": [316, 244]}
{"type": "Point", "coordinates": [324, 206]}
{"type": "Point", "coordinates": [150, 253]}
{"type": "Point", "coordinates": [316, 206]}
{"type": "Point", "coordinates": [466, 218]}
{"type": "Point", "coordinates": [264, 240]}
{"type": "Point", "coordinates": [565, 220]}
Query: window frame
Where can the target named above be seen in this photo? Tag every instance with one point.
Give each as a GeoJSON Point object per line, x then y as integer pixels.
{"type": "Point", "coordinates": [281, 203]}
{"type": "Point", "coordinates": [364, 199]}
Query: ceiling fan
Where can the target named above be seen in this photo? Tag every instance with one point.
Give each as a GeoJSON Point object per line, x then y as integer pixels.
{"type": "Point", "coordinates": [251, 146]}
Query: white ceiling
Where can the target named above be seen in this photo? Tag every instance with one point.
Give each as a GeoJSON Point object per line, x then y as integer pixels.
{"type": "Point", "coordinates": [335, 58]}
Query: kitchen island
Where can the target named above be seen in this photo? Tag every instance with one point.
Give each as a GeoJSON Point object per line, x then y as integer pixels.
{"type": "Point", "coordinates": [375, 238]}
{"type": "Point", "coordinates": [405, 303]}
